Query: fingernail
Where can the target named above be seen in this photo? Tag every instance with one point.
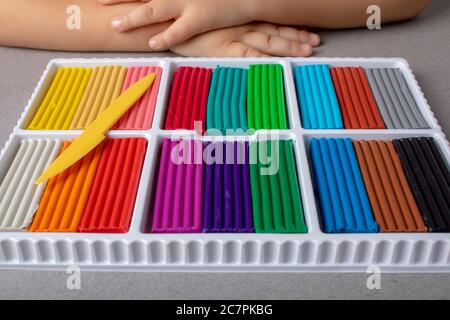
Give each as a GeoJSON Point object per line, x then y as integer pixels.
{"type": "Point", "coordinates": [154, 44]}
{"type": "Point", "coordinates": [116, 23]}
{"type": "Point", "coordinates": [314, 38]}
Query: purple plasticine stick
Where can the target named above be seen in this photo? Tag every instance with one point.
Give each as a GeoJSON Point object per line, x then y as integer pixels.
{"type": "Point", "coordinates": [227, 191]}
{"type": "Point", "coordinates": [237, 194]}
{"type": "Point", "coordinates": [198, 185]}
{"type": "Point", "coordinates": [208, 196]}
{"type": "Point", "coordinates": [228, 170]}
{"type": "Point", "coordinates": [248, 213]}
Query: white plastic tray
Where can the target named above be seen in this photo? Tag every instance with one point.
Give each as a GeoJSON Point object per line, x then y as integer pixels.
{"type": "Point", "coordinates": [140, 250]}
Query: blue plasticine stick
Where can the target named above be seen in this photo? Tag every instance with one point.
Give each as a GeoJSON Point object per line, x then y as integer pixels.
{"type": "Point", "coordinates": [309, 100]}
{"type": "Point", "coordinates": [342, 189]}
{"type": "Point", "coordinates": [323, 187]}
{"type": "Point", "coordinates": [355, 220]}
{"type": "Point", "coordinates": [327, 106]}
{"type": "Point", "coordinates": [306, 120]}
{"type": "Point", "coordinates": [316, 94]}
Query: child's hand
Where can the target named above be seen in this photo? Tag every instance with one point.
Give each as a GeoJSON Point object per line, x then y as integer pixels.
{"type": "Point", "coordinates": [251, 40]}
{"type": "Point", "coordinates": [191, 17]}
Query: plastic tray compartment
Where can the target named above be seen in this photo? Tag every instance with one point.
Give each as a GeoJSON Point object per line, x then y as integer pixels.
{"type": "Point", "coordinates": [139, 249]}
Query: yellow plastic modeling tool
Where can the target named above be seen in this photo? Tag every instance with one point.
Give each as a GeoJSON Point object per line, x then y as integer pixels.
{"type": "Point", "coordinates": [95, 132]}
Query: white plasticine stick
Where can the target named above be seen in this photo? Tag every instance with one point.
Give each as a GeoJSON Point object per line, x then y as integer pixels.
{"type": "Point", "coordinates": [9, 176]}
{"type": "Point", "coordinates": [20, 188]}
{"type": "Point", "coordinates": [33, 192]}
{"type": "Point", "coordinates": [18, 174]}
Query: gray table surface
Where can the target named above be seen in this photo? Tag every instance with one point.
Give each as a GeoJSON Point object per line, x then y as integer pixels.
{"type": "Point", "coordinates": [424, 42]}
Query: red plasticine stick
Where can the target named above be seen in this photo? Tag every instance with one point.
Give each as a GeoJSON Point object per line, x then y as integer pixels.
{"type": "Point", "coordinates": [339, 93]}
{"type": "Point", "coordinates": [111, 202]}
{"type": "Point", "coordinates": [347, 104]}
{"type": "Point", "coordinates": [363, 99]}
{"type": "Point", "coordinates": [357, 107]}
{"type": "Point", "coordinates": [197, 99]}
{"type": "Point", "coordinates": [204, 99]}
{"type": "Point", "coordinates": [188, 98]}
{"type": "Point", "coordinates": [356, 99]}
{"type": "Point", "coordinates": [188, 106]}
{"type": "Point", "coordinates": [185, 76]}
{"type": "Point", "coordinates": [174, 99]}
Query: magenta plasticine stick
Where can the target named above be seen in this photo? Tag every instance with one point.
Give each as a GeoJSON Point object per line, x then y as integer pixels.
{"type": "Point", "coordinates": [189, 187]}
{"type": "Point", "coordinates": [161, 185]}
{"type": "Point", "coordinates": [180, 189]}
{"type": "Point", "coordinates": [178, 203]}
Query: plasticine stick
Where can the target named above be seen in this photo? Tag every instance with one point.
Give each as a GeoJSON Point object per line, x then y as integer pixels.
{"type": "Point", "coordinates": [210, 111]}
{"type": "Point", "coordinates": [243, 122]}
{"type": "Point", "coordinates": [281, 105]}
{"type": "Point", "coordinates": [170, 118]}
{"type": "Point", "coordinates": [264, 108]}
{"type": "Point", "coordinates": [226, 105]}
{"type": "Point", "coordinates": [273, 90]}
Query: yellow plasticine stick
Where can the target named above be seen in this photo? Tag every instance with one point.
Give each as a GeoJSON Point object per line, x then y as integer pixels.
{"type": "Point", "coordinates": [104, 98]}
{"type": "Point", "coordinates": [48, 98]}
{"type": "Point", "coordinates": [92, 94]}
{"type": "Point", "coordinates": [65, 96]}
{"type": "Point", "coordinates": [76, 102]}
{"type": "Point", "coordinates": [68, 103]}
{"type": "Point", "coordinates": [93, 108]}
{"type": "Point", "coordinates": [95, 133]}
{"type": "Point", "coordinates": [115, 79]}
{"type": "Point", "coordinates": [53, 103]}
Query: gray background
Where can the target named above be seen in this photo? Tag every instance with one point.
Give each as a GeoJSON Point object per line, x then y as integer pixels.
{"type": "Point", "coordinates": [424, 42]}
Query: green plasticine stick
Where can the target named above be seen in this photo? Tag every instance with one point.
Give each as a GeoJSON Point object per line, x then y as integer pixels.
{"type": "Point", "coordinates": [251, 97]}
{"type": "Point", "coordinates": [226, 105]}
{"type": "Point", "coordinates": [235, 98]}
{"type": "Point", "coordinates": [242, 101]}
{"type": "Point", "coordinates": [212, 99]}
{"type": "Point", "coordinates": [273, 98]}
{"type": "Point", "coordinates": [299, 221]}
{"type": "Point", "coordinates": [277, 209]}
{"type": "Point", "coordinates": [281, 104]}
{"type": "Point", "coordinates": [219, 98]}
{"type": "Point", "coordinates": [265, 94]}
{"type": "Point", "coordinates": [255, 188]}
{"type": "Point", "coordinates": [276, 198]}
{"type": "Point", "coordinates": [258, 96]}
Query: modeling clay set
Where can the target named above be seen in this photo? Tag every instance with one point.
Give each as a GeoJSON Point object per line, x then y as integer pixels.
{"type": "Point", "coordinates": [226, 164]}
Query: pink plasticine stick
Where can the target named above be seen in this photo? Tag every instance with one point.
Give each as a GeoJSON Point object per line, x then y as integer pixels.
{"type": "Point", "coordinates": [150, 110]}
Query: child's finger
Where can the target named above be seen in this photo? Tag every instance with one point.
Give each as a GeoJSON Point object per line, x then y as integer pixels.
{"type": "Point", "coordinates": [239, 49]}
{"type": "Point", "coordinates": [152, 12]}
{"type": "Point", "coordinates": [120, 1]}
{"type": "Point", "coordinates": [288, 33]}
{"type": "Point", "coordinates": [276, 46]}
{"type": "Point", "coordinates": [181, 30]}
